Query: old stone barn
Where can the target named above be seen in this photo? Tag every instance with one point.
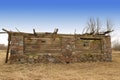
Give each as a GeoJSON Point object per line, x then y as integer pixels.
{"type": "Point", "coordinates": [57, 48]}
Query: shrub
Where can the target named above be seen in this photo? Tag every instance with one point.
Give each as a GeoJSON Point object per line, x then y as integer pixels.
{"type": "Point", "coordinates": [116, 45]}
{"type": "Point", "coordinates": [3, 47]}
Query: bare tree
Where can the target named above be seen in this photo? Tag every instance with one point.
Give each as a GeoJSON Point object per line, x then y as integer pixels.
{"type": "Point", "coordinates": [93, 27]}
{"type": "Point", "coordinates": [98, 26]}
{"type": "Point", "coordinates": [116, 45]}
{"type": "Point", "coordinates": [109, 25]}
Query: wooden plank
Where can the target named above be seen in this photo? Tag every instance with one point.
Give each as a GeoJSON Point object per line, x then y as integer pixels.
{"type": "Point", "coordinates": [44, 51]}
{"type": "Point", "coordinates": [42, 46]}
{"type": "Point", "coordinates": [2, 32]}
{"type": "Point", "coordinates": [9, 39]}
{"type": "Point", "coordinates": [40, 40]}
{"type": "Point", "coordinates": [87, 51]}
{"type": "Point", "coordinates": [90, 38]}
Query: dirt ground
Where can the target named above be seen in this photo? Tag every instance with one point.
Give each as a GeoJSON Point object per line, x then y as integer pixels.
{"type": "Point", "coordinates": [72, 71]}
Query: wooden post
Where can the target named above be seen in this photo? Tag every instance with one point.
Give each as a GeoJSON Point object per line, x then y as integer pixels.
{"type": "Point", "coordinates": [34, 32]}
{"type": "Point", "coordinates": [101, 44]}
{"type": "Point", "coordinates": [61, 43]}
{"type": "Point", "coordinates": [23, 44]}
{"type": "Point", "coordinates": [9, 39]}
{"type": "Point", "coordinates": [75, 36]}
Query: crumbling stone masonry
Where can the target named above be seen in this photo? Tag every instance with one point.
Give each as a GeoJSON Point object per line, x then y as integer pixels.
{"type": "Point", "coordinates": [57, 48]}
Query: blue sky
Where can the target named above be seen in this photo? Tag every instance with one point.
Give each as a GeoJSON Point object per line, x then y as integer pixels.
{"type": "Point", "coordinates": [67, 15]}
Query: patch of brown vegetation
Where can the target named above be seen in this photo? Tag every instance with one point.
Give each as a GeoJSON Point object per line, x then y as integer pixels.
{"type": "Point", "coordinates": [73, 71]}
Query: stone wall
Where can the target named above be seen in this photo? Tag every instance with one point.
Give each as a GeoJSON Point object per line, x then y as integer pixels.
{"type": "Point", "coordinates": [60, 49]}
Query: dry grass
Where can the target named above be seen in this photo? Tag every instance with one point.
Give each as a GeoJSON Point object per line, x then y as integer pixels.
{"type": "Point", "coordinates": [76, 71]}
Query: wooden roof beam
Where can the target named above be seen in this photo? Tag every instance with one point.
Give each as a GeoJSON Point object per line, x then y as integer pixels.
{"type": "Point", "coordinates": [2, 32]}
{"type": "Point", "coordinates": [6, 30]}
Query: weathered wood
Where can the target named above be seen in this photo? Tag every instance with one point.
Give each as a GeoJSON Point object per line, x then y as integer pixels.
{"type": "Point", "coordinates": [6, 30]}
{"type": "Point", "coordinates": [87, 38]}
{"type": "Point", "coordinates": [43, 51]}
{"type": "Point", "coordinates": [34, 32]}
{"type": "Point", "coordinates": [2, 32]}
{"type": "Point", "coordinates": [9, 39]}
{"type": "Point", "coordinates": [55, 31]}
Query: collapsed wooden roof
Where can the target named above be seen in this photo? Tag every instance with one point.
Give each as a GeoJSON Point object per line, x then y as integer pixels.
{"type": "Point", "coordinates": [55, 32]}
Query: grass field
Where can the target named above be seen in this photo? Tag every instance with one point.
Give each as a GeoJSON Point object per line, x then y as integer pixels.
{"type": "Point", "coordinates": [76, 71]}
